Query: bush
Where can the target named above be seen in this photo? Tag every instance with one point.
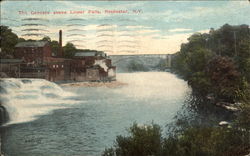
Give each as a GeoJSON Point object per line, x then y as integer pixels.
{"type": "Point", "coordinates": [193, 141]}
{"type": "Point", "coordinates": [143, 141]}
{"type": "Point", "coordinates": [243, 119]}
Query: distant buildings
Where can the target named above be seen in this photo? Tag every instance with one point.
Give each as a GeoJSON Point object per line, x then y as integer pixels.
{"type": "Point", "coordinates": [92, 66]}
{"type": "Point", "coordinates": [33, 59]}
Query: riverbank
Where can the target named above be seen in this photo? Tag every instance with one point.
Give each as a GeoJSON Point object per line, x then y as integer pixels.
{"type": "Point", "coordinates": [112, 84]}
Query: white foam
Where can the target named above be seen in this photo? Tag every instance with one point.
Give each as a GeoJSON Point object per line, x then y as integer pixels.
{"type": "Point", "coordinates": [111, 72]}
{"type": "Point", "coordinates": [102, 64]}
{"type": "Point", "coordinates": [152, 85]}
{"type": "Point", "coordinates": [27, 99]}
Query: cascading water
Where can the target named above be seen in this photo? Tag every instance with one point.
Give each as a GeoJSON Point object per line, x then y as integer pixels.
{"type": "Point", "coordinates": [27, 99]}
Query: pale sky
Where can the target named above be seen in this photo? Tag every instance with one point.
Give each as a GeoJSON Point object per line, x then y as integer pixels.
{"type": "Point", "coordinates": [142, 27]}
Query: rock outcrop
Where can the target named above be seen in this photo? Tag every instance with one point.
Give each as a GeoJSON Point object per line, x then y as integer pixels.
{"type": "Point", "coordinates": [4, 117]}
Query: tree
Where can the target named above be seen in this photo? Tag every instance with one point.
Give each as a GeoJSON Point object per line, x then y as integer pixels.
{"type": "Point", "coordinates": [55, 47]}
{"type": "Point", "coordinates": [243, 58]}
{"type": "Point", "coordinates": [8, 41]}
{"type": "Point", "coordinates": [69, 50]}
{"type": "Point", "coordinates": [192, 141]}
{"type": "Point", "coordinates": [46, 38]}
{"type": "Point", "coordinates": [143, 141]}
{"type": "Point", "coordinates": [226, 79]}
{"type": "Point", "coordinates": [243, 119]}
{"type": "Point", "coordinates": [179, 64]}
{"type": "Point", "coordinates": [199, 59]}
{"type": "Point", "coordinates": [21, 40]}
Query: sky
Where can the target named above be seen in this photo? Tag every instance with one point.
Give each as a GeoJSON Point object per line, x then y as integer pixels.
{"type": "Point", "coordinates": [122, 27]}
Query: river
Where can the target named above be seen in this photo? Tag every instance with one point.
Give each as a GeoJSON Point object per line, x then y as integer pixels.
{"type": "Point", "coordinates": [47, 119]}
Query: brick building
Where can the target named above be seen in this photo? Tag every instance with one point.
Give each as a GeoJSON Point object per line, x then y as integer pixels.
{"type": "Point", "coordinates": [33, 52]}
{"type": "Point", "coordinates": [36, 61]}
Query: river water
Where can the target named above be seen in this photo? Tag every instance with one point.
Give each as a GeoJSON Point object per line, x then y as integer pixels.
{"type": "Point", "coordinates": [47, 119]}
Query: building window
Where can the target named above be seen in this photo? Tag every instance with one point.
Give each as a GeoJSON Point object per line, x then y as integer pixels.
{"type": "Point", "coordinates": [62, 66]}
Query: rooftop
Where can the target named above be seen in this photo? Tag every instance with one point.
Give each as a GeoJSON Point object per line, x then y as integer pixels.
{"type": "Point", "coordinates": [32, 44]}
{"type": "Point", "coordinates": [89, 53]}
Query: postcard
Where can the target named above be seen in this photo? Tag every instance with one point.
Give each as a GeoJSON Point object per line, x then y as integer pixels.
{"type": "Point", "coordinates": [125, 78]}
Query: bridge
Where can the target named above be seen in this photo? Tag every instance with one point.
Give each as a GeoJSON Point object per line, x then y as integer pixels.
{"type": "Point", "coordinates": [148, 60]}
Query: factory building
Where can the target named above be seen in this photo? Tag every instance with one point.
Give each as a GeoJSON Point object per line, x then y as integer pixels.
{"type": "Point", "coordinates": [34, 59]}
{"type": "Point", "coordinates": [93, 66]}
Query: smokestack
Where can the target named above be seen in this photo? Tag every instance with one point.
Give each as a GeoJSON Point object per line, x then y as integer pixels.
{"type": "Point", "coordinates": [60, 54]}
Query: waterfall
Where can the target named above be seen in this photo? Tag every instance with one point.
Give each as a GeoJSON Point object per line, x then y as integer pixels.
{"type": "Point", "coordinates": [26, 99]}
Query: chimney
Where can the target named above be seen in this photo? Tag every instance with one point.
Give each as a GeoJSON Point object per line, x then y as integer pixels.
{"type": "Point", "coordinates": [60, 54]}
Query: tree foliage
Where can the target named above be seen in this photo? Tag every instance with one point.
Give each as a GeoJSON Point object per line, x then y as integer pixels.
{"type": "Point", "coordinates": [193, 141]}
{"type": "Point", "coordinates": [69, 50]}
{"type": "Point", "coordinates": [144, 141]}
{"type": "Point", "coordinates": [46, 38]}
{"type": "Point", "coordinates": [217, 62]}
{"type": "Point", "coordinates": [8, 41]}
{"type": "Point", "coordinates": [226, 79]}
{"type": "Point", "coordinates": [55, 47]}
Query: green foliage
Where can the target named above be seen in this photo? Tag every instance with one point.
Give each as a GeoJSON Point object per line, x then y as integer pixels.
{"type": "Point", "coordinates": [193, 141]}
{"type": "Point", "coordinates": [179, 65]}
{"type": "Point", "coordinates": [136, 66]}
{"type": "Point", "coordinates": [217, 63]}
{"type": "Point", "coordinates": [143, 141]}
{"type": "Point", "coordinates": [8, 41]}
{"type": "Point", "coordinates": [55, 47]}
{"type": "Point", "coordinates": [53, 44]}
{"type": "Point", "coordinates": [243, 119]}
{"type": "Point", "coordinates": [225, 78]}
{"type": "Point", "coordinates": [46, 38]}
{"type": "Point", "coordinates": [21, 40]}
{"type": "Point", "coordinates": [243, 59]}
{"type": "Point", "coordinates": [69, 50]}
{"type": "Point", "coordinates": [201, 83]}
{"type": "Point", "coordinates": [197, 60]}
{"type": "Point", "coordinates": [213, 141]}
